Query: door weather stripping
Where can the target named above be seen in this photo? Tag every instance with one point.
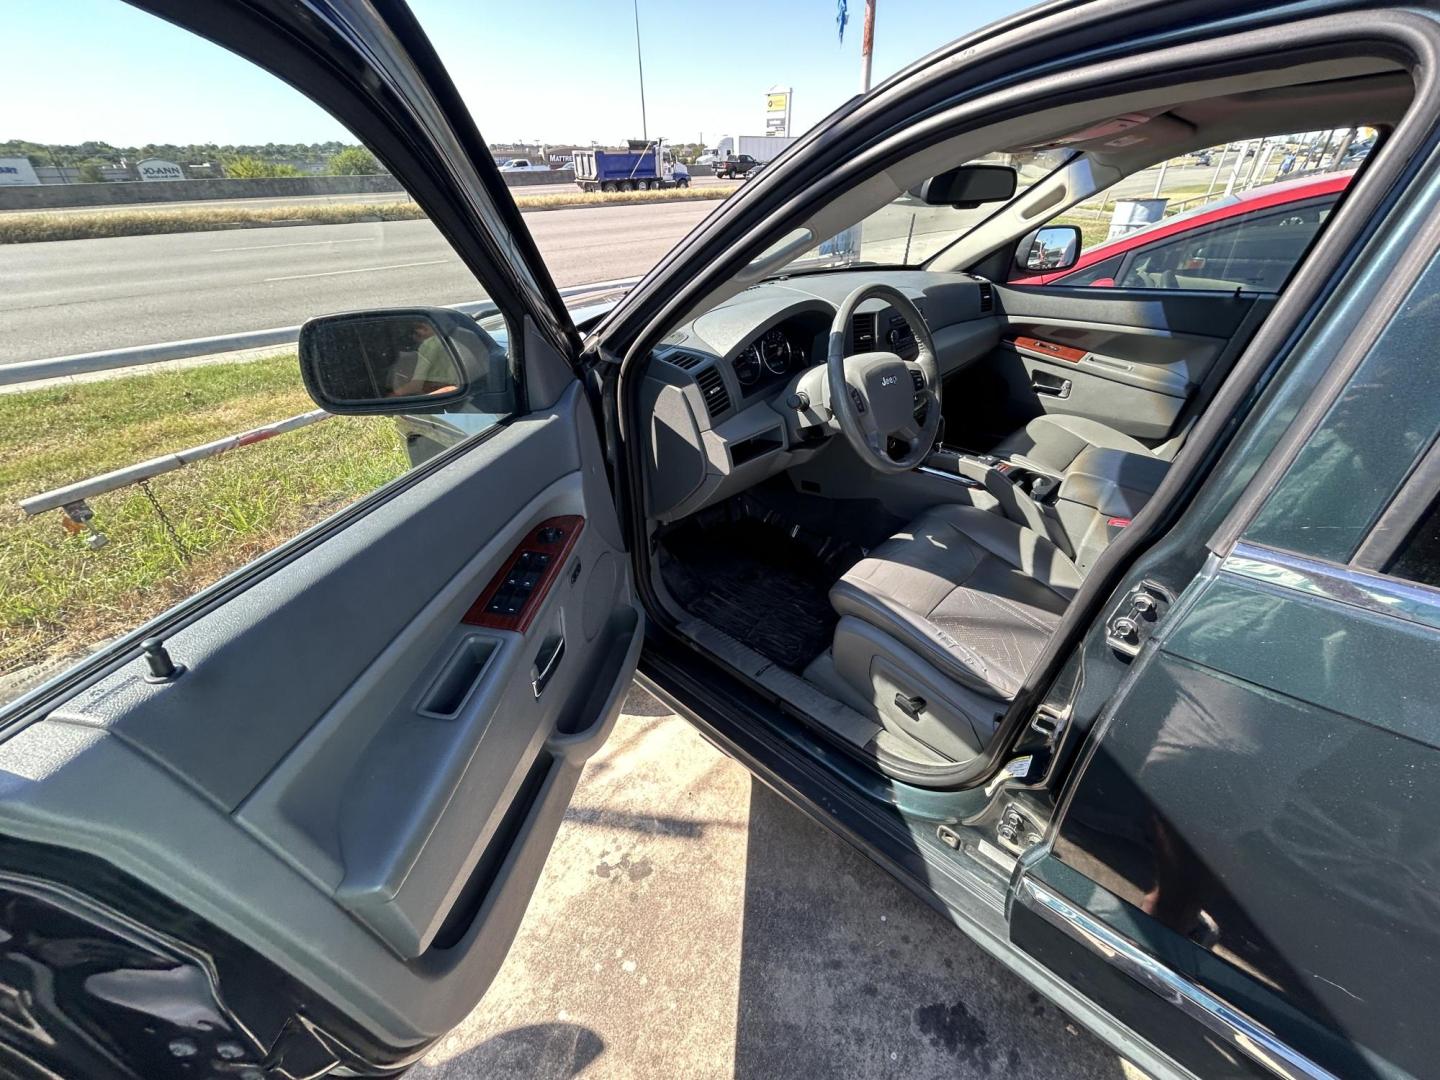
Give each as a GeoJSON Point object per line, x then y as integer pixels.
{"type": "Point", "coordinates": [1236, 1029]}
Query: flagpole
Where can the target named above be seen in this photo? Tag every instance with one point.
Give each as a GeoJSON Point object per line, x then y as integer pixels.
{"type": "Point", "coordinates": [867, 45]}
{"type": "Point", "coordinates": [640, 63]}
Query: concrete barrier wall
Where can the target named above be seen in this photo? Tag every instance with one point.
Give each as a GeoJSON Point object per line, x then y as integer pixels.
{"type": "Point", "coordinates": [49, 196]}
{"type": "Point", "coordinates": [138, 192]}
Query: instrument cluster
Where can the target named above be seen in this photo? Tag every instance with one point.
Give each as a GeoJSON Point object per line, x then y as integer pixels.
{"type": "Point", "coordinates": [771, 355]}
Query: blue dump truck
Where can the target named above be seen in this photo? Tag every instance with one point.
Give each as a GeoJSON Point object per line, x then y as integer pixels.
{"type": "Point", "coordinates": [643, 167]}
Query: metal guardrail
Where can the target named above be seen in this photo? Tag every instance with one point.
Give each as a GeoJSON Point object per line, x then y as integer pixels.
{"type": "Point", "coordinates": [133, 474]}
{"type": "Point", "coordinates": [71, 497]}
{"type": "Point", "coordinates": [62, 367]}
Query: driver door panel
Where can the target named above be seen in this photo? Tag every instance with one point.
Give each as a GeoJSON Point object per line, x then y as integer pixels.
{"type": "Point", "coordinates": [347, 776]}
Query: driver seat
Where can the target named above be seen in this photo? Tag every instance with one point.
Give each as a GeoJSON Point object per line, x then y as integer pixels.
{"type": "Point", "coordinates": [940, 624]}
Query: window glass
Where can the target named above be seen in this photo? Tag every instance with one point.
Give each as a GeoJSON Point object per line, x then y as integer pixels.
{"type": "Point", "coordinates": [1367, 442]}
{"type": "Point", "coordinates": [1235, 216]}
{"type": "Point", "coordinates": [907, 231]}
{"type": "Point", "coordinates": [1254, 252]}
{"type": "Point", "coordinates": [197, 220]}
{"type": "Point", "coordinates": [1101, 273]}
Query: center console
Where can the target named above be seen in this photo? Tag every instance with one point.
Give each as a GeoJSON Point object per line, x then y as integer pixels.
{"type": "Point", "coordinates": [972, 469]}
{"type": "Point", "coordinates": [1083, 511]}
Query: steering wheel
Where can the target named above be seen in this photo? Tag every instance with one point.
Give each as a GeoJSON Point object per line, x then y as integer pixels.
{"type": "Point", "coordinates": [876, 397]}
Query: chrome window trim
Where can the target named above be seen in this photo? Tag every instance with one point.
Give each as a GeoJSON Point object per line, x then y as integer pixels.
{"type": "Point", "coordinates": [1238, 1030]}
{"type": "Point", "coordinates": [1363, 589]}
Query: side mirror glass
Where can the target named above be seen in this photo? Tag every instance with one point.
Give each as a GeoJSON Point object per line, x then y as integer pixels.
{"type": "Point", "coordinates": [403, 360]}
{"type": "Point", "coordinates": [1050, 249]}
{"type": "Point", "coordinates": [969, 186]}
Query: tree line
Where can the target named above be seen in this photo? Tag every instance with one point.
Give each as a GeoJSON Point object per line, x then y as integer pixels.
{"type": "Point", "coordinates": [243, 161]}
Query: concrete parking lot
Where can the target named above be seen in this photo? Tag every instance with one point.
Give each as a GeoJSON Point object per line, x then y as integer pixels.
{"type": "Point", "coordinates": [690, 923]}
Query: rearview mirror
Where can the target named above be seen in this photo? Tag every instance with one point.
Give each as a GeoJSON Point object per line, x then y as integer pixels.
{"type": "Point", "coordinates": [968, 186]}
{"type": "Point", "coordinates": [403, 360]}
{"type": "Point", "coordinates": [1050, 249]}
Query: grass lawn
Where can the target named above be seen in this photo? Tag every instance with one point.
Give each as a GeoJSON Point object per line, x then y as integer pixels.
{"type": "Point", "coordinates": [57, 596]}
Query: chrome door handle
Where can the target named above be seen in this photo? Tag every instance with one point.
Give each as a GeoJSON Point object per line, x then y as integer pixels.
{"type": "Point", "coordinates": [545, 664]}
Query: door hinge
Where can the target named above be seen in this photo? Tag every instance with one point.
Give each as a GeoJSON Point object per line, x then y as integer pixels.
{"type": "Point", "coordinates": [1015, 830]}
{"type": "Point", "coordinates": [1134, 620]}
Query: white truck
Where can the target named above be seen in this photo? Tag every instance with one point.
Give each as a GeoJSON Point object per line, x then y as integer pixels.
{"type": "Point", "coordinates": [763, 148]}
{"type": "Point", "coordinates": [521, 164]}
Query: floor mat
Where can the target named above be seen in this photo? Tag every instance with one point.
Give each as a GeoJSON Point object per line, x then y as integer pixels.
{"type": "Point", "coordinates": [765, 587]}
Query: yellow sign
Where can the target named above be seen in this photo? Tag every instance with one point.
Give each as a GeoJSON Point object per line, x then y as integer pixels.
{"type": "Point", "coordinates": [776, 102]}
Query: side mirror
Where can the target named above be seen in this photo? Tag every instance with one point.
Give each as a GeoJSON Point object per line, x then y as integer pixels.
{"type": "Point", "coordinates": [1050, 249]}
{"type": "Point", "coordinates": [968, 186]}
{"type": "Point", "coordinates": [396, 361]}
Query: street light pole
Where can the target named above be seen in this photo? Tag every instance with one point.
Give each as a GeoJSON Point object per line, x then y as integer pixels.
{"type": "Point", "coordinates": [640, 64]}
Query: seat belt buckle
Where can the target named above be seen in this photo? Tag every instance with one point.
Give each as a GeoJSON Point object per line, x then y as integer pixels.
{"type": "Point", "coordinates": [1118, 522]}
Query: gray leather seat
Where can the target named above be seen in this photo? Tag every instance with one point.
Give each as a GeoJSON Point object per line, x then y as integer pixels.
{"type": "Point", "coordinates": [972, 594]}
{"type": "Point", "coordinates": [1051, 443]}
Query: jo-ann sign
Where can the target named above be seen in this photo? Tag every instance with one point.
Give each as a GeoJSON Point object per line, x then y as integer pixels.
{"type": "Point", "coordinates": [155, 169]}
{"type": "Point", "coordinates": [17, 170]}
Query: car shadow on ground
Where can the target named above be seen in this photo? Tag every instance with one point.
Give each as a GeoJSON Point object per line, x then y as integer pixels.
{"type": "Point", "coordinates": [691, 923]}
{"type": "Point", "coordinates": [843, 972]}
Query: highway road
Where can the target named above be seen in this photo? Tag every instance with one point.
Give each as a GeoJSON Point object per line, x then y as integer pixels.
{"type": "Point", "coordinates": [75, 296]}
{"type": "Point", "coordinates": [78, 296]}
{"type": "Point", "coordinates": [565, 188]}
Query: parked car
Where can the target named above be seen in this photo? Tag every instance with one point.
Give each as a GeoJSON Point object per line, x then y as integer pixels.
{"type": "Point", "coordinates": [1247, 241]}
{"type": "Point", "coordinates": [735, 165]}
{"type": "Point", "coordinates": [1132, 677]}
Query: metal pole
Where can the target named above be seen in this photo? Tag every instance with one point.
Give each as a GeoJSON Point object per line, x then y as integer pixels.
{"type": "Point", "coordinates": [1345, 141]}
{"type": "Point", "coordinates": [1220, 164]}
{"type": "Point", "coordinates": [1159, 179]}
{"type": "Point", "coordinates": [867, 45]}
{"type": "Point", "coordinates": [1235, 171]}
{"type": "Point", "coordinates": [640, 64]}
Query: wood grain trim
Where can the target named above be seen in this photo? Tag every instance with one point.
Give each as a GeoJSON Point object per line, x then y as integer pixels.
{"type": "Point", "coordinates": [1049, 348]}
{"type": "Point", "coordinates": [558, 552]}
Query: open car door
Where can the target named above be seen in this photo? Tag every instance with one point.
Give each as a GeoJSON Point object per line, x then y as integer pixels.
{"type": "Point", "coordinates": [301, 829]}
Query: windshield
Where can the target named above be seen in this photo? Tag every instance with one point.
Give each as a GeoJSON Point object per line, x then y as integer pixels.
{"type": "Point", "coordinates": [907, 231]}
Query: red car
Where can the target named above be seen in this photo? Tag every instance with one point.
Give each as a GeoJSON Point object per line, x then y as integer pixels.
{"type": "Point", "coordinates": [1249, 241]}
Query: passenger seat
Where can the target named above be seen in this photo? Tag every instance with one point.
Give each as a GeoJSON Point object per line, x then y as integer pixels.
{"type": "Point", "coordinates": [1053, 442]}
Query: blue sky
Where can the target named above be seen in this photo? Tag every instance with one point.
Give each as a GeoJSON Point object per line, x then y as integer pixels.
{"type": "Point", "coordinates": [552, 70]}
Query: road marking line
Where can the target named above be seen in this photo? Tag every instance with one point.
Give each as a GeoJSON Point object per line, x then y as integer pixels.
{"type": "Point", "coordinates": [304, 243]}
{"type": "Point", "coordinates": [359, 270]}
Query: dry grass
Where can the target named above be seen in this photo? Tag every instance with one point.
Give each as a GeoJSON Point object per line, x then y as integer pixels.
{"type": "Point", "coordinates": [57, 596]}
{"type": "Point", "coordinates": [28, 228]}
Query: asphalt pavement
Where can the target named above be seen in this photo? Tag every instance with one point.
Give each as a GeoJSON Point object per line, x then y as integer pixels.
{"type": "Point", "coordinates": [73, 296]}
{"type": "Point", "coordinates": [690, 923]}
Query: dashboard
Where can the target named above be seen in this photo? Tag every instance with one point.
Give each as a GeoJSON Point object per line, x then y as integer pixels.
{"type": "Point", "coordinates": [737, 394]}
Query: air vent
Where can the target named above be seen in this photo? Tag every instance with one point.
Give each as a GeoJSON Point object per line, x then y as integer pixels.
{"type": "Point", "coordinates": [862, 331]}
{"type": "Point", "coordinates": [987, 297]}
{"type": "Point", "coordinates": [712, 389]}
{"type": "Point", "coordinates": [684, 360]}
